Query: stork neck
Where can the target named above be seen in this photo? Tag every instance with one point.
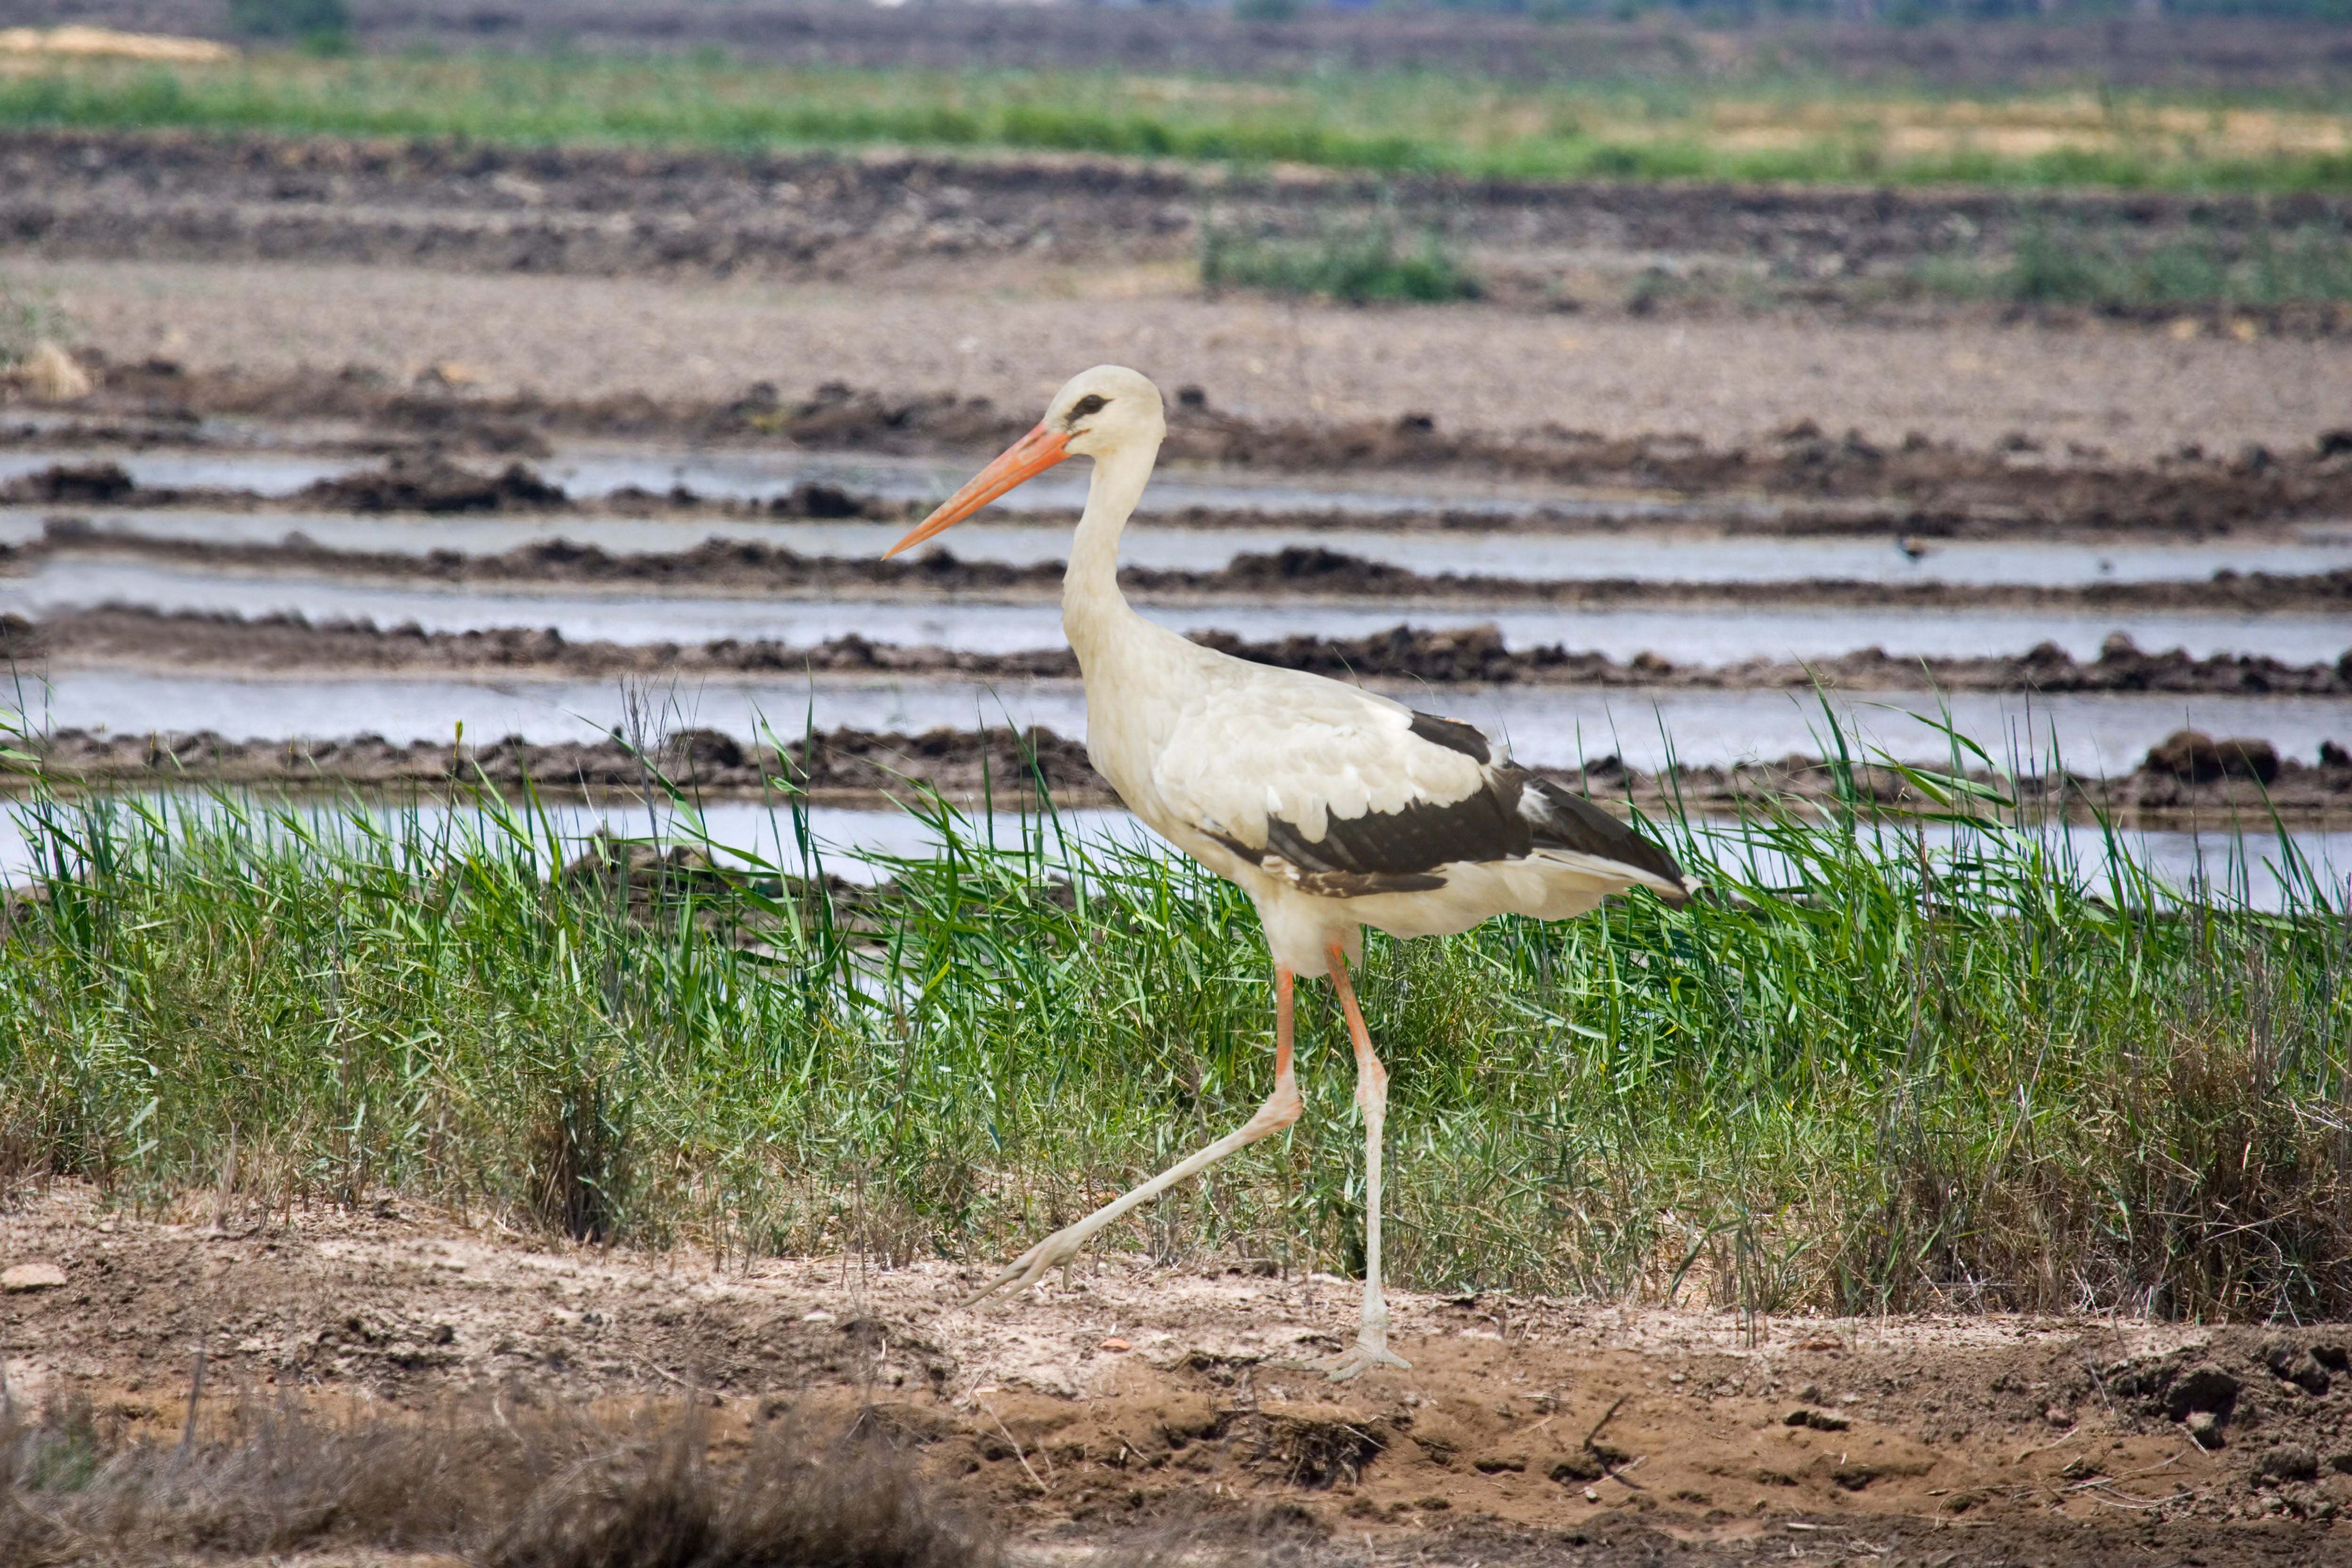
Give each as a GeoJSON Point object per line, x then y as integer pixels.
{"type": "Point", "coordinates": [1092, 606]}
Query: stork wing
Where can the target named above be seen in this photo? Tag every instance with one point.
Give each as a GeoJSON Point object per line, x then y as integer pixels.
{"type": "Point", "coordinates": [1344, 792]}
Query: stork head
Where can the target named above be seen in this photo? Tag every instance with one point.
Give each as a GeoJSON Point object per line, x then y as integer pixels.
{"type": "Point", "coordinates": [1098, 411]}
{"type": "Point", "coordinates": [1104, 409]}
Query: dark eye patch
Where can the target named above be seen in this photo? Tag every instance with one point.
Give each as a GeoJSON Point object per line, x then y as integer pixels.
{"type": "Point", "coordinates": [1092, 403]}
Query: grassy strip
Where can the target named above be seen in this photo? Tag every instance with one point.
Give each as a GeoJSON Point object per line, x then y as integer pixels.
{"type": "Point", "coordinates": [1357, 265]}
{"type": "Point", "coordinates": [1878, 1074]}
{"type": "Point", "coordinates": [2105, 270]}
{"type": "Point", "coordinates": [1381, 124]}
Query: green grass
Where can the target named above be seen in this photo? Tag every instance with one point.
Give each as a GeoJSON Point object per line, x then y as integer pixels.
{"type": "Point", "coordinates": [1383, 124]}
{"type": "Point", "coordinates": [2055, 266]}
{"type": "Point", "coordinates": [25, 317]}
{"type": "Point", "coordinates": [1357, 264]}
{"type": "Point", "coordinates": [1874, 1073]}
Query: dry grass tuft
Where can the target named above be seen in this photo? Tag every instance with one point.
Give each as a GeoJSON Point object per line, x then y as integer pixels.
{"type": "Point", "coordinates": [544, 1489]}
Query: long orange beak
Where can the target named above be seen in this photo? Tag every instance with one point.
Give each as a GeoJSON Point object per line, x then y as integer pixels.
{"type": "Point", "coordinates": [1024, 459]}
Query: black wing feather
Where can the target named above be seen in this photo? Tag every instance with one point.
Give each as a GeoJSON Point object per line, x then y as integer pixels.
{"type": "Point", "coordinates": [1570, 822]}
{"type": "Point", "coordinates": [1511, 815]}
{"type": "Point", "coordinates": [1454, 735]}
{"type": "Point", "coordinates": [1396, 851]}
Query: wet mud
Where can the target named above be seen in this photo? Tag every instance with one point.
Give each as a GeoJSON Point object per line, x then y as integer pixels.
{"type": "Point", "coordinates": [754, 569]}
{"type": "Point", "coordinates": [128, 636]}
{"type": "Point", "coordinates": [1135, 1397]}
{"type": "Point", "coordinates": [2188, 773]}
{"type": "Point", "coordinates": [1917, 486]}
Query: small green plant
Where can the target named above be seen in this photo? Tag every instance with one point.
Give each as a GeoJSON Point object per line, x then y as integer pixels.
{"type": "Point", "coordinates": [2072, 267]}
{"type": "Point", "coordinates": [1358, 264]}
{"type": "Point", "coordinates": [25, 317]}
{"type": "Point", "coordinates": [2050, 269]}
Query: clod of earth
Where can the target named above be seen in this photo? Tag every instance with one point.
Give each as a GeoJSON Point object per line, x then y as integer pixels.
{"type": "Point", "coordinates": [2287, 1462]}
{"type": "Point", "coordinates": [2198, 758]}
{"type": "Point", "coordinates": [433, 484]}
{"type": "Point", "coordinates": [2293, 1363]}
{"type": "Point", "coordinates": [70, 484]}
{"type": "Point", "coordinates": [1819, 1420]}
{"type": "Point", "coordinates": [29, 1277]}
{"type": "Point", "coordinates": [2203, 1390]}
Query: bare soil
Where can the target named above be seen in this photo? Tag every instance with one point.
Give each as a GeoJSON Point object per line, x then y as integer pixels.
{"type": "Point", "coordinates": [1612, 247]}
{"type": "Point", "coordinates": [128, 636]}
{"type": "Point", "coordinates": [1283, 384]}
{"type": "Point", "coordinates": [755, 569]}
{"type": "Point", "coordinates": [2191, 775]}
{"type": "Point", "coordinates": [1529, 1429]}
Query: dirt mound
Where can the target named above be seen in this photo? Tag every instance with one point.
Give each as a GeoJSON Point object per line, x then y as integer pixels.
{"type": "Point", "coordinates": [824, 502]}
{"type": "Point", "coordinates": [861, 767]}
{"type": "Point", "coordinates": [149, 638]}
{"type": "Point", "coordinates": [1480, 654]}
{"type": "Point", "coordinates": [753, 567]}
{"type": "Point", "coordinates": [835, 764]}
{"type": "Point", "coordinates": [2198, 758]}
{"type": "Point", "coordinates": [1917, 489]}
{"type": "Point", "coordinates": [432, 484]}
{"type": "Point", "coordinates": [71, 484]}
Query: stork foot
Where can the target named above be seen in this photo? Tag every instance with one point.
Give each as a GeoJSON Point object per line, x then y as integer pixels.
{"type": "Point", "coordinates": [1057, 1251]}
{"type": "Point", "coordinates": [1359, 1358]}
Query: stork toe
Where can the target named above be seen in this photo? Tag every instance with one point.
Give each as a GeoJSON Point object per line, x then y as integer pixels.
{"type": "Point", "coordinates": [1056, 1251]}
{"type": "Point", "coordinates": [1359, 1359]}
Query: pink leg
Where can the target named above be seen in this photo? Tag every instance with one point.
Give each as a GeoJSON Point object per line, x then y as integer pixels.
{"type": "Point", "coordinates": [1280, 1109]}
{"type": "Point", "coordinates": [1371, 1346]}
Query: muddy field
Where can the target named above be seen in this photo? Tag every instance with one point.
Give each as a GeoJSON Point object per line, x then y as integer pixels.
{"type": "Point", "coordinates": [961, 353]}
{"type": "Point", "coordinates": [2206, 51]}
{"type": "Point", "coordinates": [422, 309]}
{"type": "Point", "coordinates": [1613, 247]}
{"type": "Point", "coordinates": [2191, 777]}
{"type": "Point", "coordinates": [753, 569]}
{"type": "Point", "coordinates": [128, 636]}
{"type": "Point", "coordinates": [1136, 1396]}
{"type": "Point", "coordinates": [1915, 486]}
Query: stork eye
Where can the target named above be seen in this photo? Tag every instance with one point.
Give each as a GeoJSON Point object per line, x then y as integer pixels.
{"type": "Point", "coordinates": [1092, 403]}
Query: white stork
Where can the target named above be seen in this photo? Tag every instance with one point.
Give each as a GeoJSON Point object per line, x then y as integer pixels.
{"type": "Point", "coordinates": [1333, 808]}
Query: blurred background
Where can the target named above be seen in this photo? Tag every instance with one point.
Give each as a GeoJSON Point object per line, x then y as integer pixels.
{"type": "Point", "coordinates": [401, 395]}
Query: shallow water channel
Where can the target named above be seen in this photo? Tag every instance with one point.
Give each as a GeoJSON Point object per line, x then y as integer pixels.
{"type": "Point", "coordinates": [857, 845]}
{"type": "Point", "coordinates": [1525, 555]}
{"type": "Point", "coordinates": [1711, 636]}
{"type": "Point", "coordinates": [1559, 727]}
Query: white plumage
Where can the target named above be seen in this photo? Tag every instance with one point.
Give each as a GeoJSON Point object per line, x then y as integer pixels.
{"type": "Point", "coordinates": [1333, 807]}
